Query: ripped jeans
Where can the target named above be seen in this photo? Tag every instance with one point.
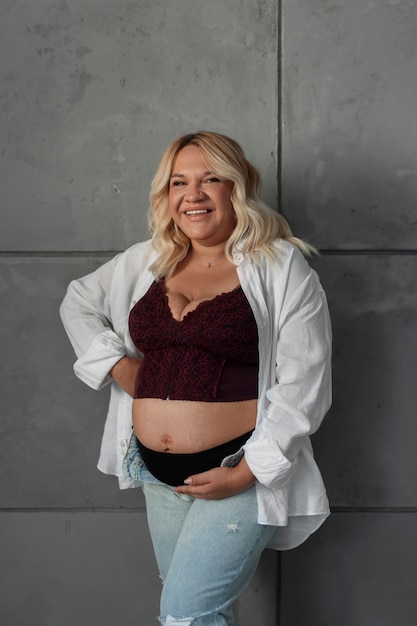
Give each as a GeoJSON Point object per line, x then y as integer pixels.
{"type": "Point", "coordinates": [207, 552]}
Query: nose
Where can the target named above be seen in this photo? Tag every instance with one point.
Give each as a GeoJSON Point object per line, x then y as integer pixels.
{"type": "Point", "coordinates": [195, 196]}
{"type": "Point", "coordinates": [195, 193]}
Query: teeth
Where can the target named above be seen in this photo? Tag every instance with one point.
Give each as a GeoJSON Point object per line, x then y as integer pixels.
{"type": "Point", "coordinates": [196, 212]}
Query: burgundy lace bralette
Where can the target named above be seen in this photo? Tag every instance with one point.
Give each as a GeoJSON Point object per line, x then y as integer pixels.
{"type": "Point", "coordinates": [211, 355]}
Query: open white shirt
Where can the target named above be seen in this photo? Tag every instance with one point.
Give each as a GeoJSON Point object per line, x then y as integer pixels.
{"type": "Point", "coordinates": [294, 331]}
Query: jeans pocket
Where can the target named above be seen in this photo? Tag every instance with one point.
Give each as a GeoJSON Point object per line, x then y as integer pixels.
{"type": "Point", "coordinates": [132, 461]}
{"type": "Point", "coordinates": [232, 459]}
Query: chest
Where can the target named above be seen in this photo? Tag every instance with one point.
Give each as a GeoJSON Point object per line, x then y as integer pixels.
{"type": "Point", "coordinates": [221, 325]}
{"type": "Point", "coordinates": [192, 286]}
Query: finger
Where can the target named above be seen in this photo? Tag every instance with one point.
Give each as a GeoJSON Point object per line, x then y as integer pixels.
{"type": "Point", "coordinates": [199, 479]}
{"type": "Point", "coordinates": [197, 485]}
{"type": "Point", "coordinates": [200, 491]}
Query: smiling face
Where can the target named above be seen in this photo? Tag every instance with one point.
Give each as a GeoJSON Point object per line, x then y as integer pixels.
{"type": "Point", "coordinates": [198, 201]}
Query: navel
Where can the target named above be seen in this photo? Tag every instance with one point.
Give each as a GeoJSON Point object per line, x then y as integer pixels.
{"type": "Point", "coordinates": [166, 443]}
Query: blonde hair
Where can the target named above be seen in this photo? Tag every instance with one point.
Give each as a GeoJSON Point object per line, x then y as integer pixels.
{"type": "Point", "coordinates": [257, 225]}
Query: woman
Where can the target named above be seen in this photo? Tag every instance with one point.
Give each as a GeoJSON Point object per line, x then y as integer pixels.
{"type": "Point", "coordinates": [219, 330]}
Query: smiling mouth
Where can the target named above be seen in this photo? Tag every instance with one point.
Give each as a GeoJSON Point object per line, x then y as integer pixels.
{"type": "Point", "coordinates": [198, 212]}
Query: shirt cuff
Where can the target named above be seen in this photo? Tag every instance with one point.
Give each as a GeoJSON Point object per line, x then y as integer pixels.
{"type": "Point", "coordinates": [268, 464]}
{"type": "Point", "coordinates": [93, 366]}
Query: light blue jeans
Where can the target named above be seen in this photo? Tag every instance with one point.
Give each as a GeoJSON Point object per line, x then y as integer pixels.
{"type": "Point", "coordinates": [207, 552]}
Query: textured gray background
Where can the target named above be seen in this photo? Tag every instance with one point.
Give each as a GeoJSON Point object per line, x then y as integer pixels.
{"type": "Point", "coordinates": [322, 95]}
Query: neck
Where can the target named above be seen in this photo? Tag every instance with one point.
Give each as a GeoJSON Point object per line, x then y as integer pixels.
{"type": "Point", "coordinates": [208, 256]}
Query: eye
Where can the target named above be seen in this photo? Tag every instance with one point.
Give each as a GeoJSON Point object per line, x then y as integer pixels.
{"type": "Point", "coordinates": [177, 183]}
{"type": "Point", "coordinates": [212, 179]}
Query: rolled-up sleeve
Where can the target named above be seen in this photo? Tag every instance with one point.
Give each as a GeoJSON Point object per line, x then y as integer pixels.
{"type": "Point", "coordinates": [87, 319]}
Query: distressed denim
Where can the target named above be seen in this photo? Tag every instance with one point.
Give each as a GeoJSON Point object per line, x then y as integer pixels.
{"type": "Point", "coordinates": [207, 552]}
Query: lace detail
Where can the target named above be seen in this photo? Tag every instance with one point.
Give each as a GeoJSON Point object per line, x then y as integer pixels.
{"type": "Point", "coordinates": [187, 359]}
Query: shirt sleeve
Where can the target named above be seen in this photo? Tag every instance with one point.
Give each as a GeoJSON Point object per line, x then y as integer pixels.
{"type": "Point", "coordinates": [301, 394]}
{"type": "Point", "coordinates": [87, 318]}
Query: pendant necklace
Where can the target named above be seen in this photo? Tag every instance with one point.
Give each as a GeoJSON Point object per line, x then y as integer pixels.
{"type": "Point", "coordinates": [213, 262]}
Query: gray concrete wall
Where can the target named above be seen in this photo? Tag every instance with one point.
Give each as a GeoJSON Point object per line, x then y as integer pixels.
{"type": "Point", "coordinates": [91, 93]}
{"type": "Point", "coordinates": [349, 182]}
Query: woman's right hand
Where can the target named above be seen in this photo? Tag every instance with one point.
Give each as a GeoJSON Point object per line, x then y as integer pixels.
{"type": "Point", "coordinates": [124, 373]}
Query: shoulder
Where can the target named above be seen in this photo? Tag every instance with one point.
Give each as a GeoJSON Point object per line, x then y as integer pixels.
{"type": "Point", "coordinates": [127, 267]}
{"type": "Point", "coordinates": [131, 270]}
{"type": "Point", "coordinates": [284, 251]}
{"type": "Point", "coordinates": [289, 258]}
{"type": "Point", "coordinates": [141, 254]}
{"type": "Point", "coordinates": [283, 255]}
{"type": "Point", "coordinates": [285, 270]}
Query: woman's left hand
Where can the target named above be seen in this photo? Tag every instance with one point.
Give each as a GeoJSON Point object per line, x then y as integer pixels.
{"type": "Point", "coordinates": [219, 482]}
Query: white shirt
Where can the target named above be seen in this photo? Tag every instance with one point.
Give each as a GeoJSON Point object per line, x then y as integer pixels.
{"type": "Point", "coordinates": [294, 331]}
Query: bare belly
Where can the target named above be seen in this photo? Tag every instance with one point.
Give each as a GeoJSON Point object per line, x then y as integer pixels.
{"type": "Point", "coordinates": [183, 427]}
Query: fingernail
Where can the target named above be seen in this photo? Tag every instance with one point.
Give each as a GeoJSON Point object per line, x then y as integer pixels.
{"type": "Point", "coordinates": [188, 481]}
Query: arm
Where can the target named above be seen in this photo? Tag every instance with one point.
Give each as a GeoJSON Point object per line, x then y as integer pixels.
{"type": "Point", "coordinates": [218, 483]}
{"type": "Point", "coordinates": [87, 317]}
{"type": "Point", "coordinates": [124, 373]}
{"type": "Point", "coordinates": [300, 396]}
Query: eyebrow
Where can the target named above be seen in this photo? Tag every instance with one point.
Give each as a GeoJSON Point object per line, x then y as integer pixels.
{"type": "Point", "coordinates": [208, 173]}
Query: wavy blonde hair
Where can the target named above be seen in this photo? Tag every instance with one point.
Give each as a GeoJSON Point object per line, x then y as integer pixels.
{"type": "Point", "coordinates": [257, 225]}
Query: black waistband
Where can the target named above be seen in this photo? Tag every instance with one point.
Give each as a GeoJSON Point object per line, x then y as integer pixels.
{"type": "Point", "coordinates": [173, 469]}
